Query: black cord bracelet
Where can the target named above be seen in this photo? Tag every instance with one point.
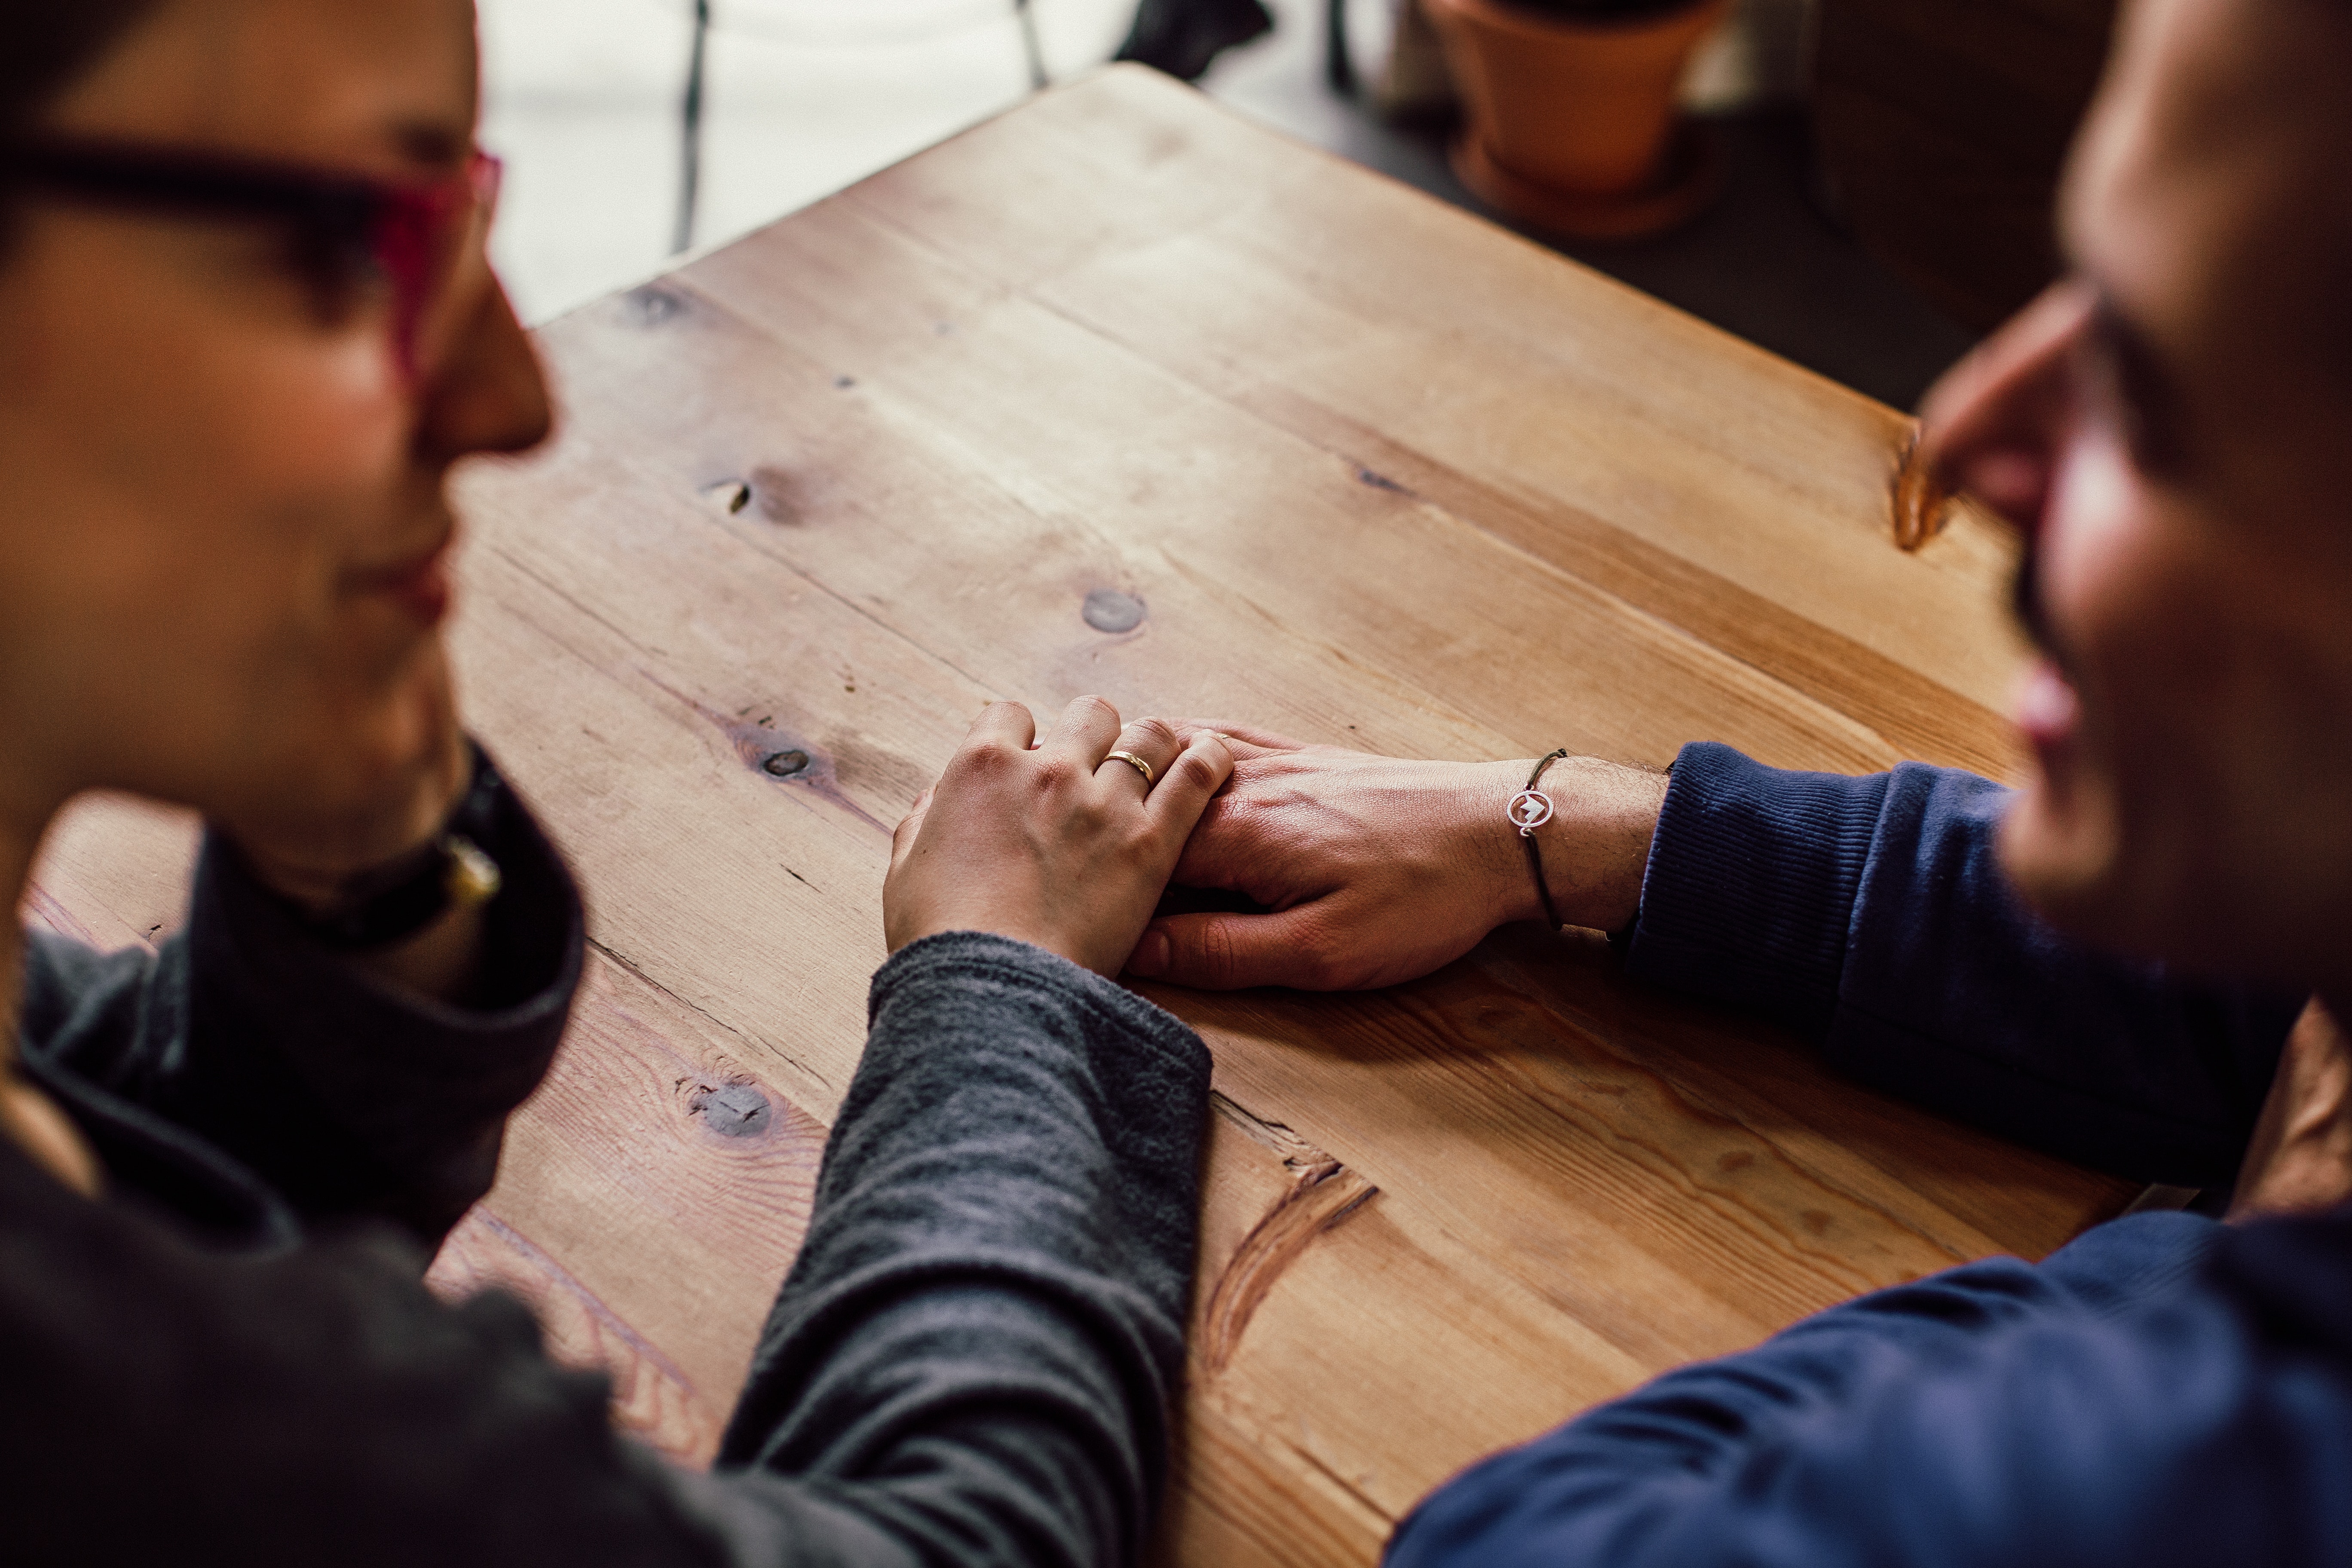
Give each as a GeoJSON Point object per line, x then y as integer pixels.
{"type": "Point", "coordinates": [1531, 809]}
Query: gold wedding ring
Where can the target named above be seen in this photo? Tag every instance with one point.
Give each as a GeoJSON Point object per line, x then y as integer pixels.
{"type": "Point", "coordinates": [1138, 763]}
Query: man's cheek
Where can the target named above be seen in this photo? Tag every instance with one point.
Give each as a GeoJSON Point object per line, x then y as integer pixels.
{"type": "Point", "coordinates": [2091, 546]}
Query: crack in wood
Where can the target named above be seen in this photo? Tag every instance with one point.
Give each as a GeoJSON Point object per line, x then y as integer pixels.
{"type": "Point", "coordinates": [1322, 1194]}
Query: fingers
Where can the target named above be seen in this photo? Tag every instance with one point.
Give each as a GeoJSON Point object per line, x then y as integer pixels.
{"type": "Point", "coordinates": [1231, 953]}
{"type": "Point", "coordinates": [1085, 732]}
{"type": "Point", "coordinates": [1231, 850]}
{"type": "Point", "coordinates": [1002, 723]}
{"type": "Point", "coordinates": [1155, 742]}
{"type": "Point", "coordinates": [1247, 734]}
{"type": "Point", "coordinates": [1192, 778]}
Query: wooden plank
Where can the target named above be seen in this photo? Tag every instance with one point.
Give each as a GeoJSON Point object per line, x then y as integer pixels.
{"type": "Point", "coordinates": [1291, 267]}
{"type": "Point", "coordinates": [114, 869]}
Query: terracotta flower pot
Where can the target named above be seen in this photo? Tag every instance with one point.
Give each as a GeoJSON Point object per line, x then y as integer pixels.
{"type": "Point", "coordinates": [1572, 124]}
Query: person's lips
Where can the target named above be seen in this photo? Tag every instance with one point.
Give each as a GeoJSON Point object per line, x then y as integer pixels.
{"type": "Point", "coordinates": [419, 586]}
{"type": "Point", "coordinates": [2049, 714]}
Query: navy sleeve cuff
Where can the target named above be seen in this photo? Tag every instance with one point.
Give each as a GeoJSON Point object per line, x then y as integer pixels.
{"type": "Point", "coordinates": [1749, 893]}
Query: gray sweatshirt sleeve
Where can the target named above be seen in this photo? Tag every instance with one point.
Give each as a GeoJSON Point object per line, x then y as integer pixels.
{"type": "Point", "coordinates": [973, 1359]}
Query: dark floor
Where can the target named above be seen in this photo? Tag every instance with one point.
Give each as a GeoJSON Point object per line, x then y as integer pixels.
{"type": "Point", "coordinates": [1768, 262]}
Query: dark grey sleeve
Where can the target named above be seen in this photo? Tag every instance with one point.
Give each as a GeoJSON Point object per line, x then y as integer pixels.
{"type": "Point", "coordinates": [349, 1098]}
{"type": "Point", "coordinates": [973, 1359]}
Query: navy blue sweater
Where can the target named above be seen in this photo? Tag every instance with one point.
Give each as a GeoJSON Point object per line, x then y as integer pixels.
{"type": "Point", "coordinates": [2163, 1391]}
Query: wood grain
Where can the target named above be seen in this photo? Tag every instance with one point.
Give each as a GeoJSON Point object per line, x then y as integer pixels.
{"type": "Point", "coordinates": [1374, 473]}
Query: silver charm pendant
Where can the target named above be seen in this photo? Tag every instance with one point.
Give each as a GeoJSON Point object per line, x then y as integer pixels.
{"type": "Point", "coordinates": [1531, 809]}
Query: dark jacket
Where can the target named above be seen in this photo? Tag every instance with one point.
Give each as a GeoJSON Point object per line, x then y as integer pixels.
{"type": "Point", "coordinates": [2164, 1391]}
{"type": "Point", "coordinates": [231, 1359]}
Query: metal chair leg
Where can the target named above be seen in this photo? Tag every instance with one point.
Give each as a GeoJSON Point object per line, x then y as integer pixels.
{"type": "Point", "coordinates": [1038, 80]}
{"type": "Point", "coordinates": [1339, 65]}
{"type": "Point", "coordinates": [689, 173]}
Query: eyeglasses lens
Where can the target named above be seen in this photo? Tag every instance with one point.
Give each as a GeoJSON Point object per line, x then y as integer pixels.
{"type": "Point", "coordinates": [422, 238]}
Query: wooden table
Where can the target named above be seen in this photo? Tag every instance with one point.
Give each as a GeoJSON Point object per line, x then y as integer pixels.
{"type": "Point", "coordinates": [1367, 470]}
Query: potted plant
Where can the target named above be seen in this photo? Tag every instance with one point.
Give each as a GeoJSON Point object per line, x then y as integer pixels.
{"type": "Point", "coordinates": [1570, 119]}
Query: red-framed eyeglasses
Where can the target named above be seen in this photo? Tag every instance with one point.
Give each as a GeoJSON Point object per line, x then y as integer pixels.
{"type": "Point", "coordinates": [414, 236]}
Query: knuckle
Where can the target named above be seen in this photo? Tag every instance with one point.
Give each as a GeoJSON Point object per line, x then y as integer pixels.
{"type": "Point", "coordinates": [1158, 733]}
{"type": "Point", "coordinates": [1090, 703]}
{"type": "Point", "coordinates": [983, 759]}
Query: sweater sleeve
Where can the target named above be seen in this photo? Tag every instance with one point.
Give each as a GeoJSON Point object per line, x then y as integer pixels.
{"type": "Point", "coordinates": [2158, 1393]}
{"type": "Point", "coordinates": [1872, 915]}
{"type": "Point", "coordinates": [349, 1098]}
{"type": "Point", "coordinates": [974, 1357]}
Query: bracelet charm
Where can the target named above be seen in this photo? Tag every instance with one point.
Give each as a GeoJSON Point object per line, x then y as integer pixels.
{"type": "Point", "coordinates": [1531, 809]}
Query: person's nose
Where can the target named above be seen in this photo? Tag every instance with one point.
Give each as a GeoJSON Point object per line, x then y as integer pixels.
{"type": "Point", "coordinates": [1994, 422]}
{"type": "Point", "coordinates": [488, 392]}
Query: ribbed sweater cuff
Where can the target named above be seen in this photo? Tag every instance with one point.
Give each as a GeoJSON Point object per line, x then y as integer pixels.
{"type": "Point", "coordinates": [1751, 882]}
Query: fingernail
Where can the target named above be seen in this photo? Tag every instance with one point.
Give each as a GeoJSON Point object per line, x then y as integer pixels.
{"type": "Point", "coordinates": [1151, 954]}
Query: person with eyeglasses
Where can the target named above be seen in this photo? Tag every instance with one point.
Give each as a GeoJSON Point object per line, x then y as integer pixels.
{"type": "Point", "coordinates": [247, 326]}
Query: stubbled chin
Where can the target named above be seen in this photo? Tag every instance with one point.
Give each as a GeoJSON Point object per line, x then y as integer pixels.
{"type": "Point", "coordinates": [2059, 847]}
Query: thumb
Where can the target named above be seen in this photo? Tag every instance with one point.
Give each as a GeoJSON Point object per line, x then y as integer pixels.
{"type": "Point", "coordinates": [1231, 953]}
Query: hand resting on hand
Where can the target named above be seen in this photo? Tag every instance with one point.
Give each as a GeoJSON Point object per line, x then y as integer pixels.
{"type": "Point", "coordinates": [1375, 870]}
{"type": "Point", "coordinates": [1063, 846]}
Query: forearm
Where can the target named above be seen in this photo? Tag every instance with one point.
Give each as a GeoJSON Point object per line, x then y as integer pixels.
{"type": "Point", "coordinates": [1873, 915]}
{"type": "Point", "coordinates": [992, 1288]}
{"type": "Point", "coordinates": [1596, 845]}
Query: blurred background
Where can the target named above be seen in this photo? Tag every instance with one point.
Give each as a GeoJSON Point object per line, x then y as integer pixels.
{"type": "Point", "coordinates": [1888, 162]}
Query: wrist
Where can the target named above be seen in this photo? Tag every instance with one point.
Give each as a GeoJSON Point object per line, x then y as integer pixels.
{"type": "Point", "coordinates": [1595, 849]}
{"type": "Point", "coordinates": [1502, 854]}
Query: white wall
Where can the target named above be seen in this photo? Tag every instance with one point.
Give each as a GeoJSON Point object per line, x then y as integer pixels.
{"type": "Point", "coordinates": [804, 97]}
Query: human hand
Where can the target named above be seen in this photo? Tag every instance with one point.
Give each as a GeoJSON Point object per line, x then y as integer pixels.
{"type": "Point", "coordinates": [2301, 1155]}
{"type": "Point", "coordinates": [1376, 871]}
{"type": "Point", "coordinates": [1063, 846]}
